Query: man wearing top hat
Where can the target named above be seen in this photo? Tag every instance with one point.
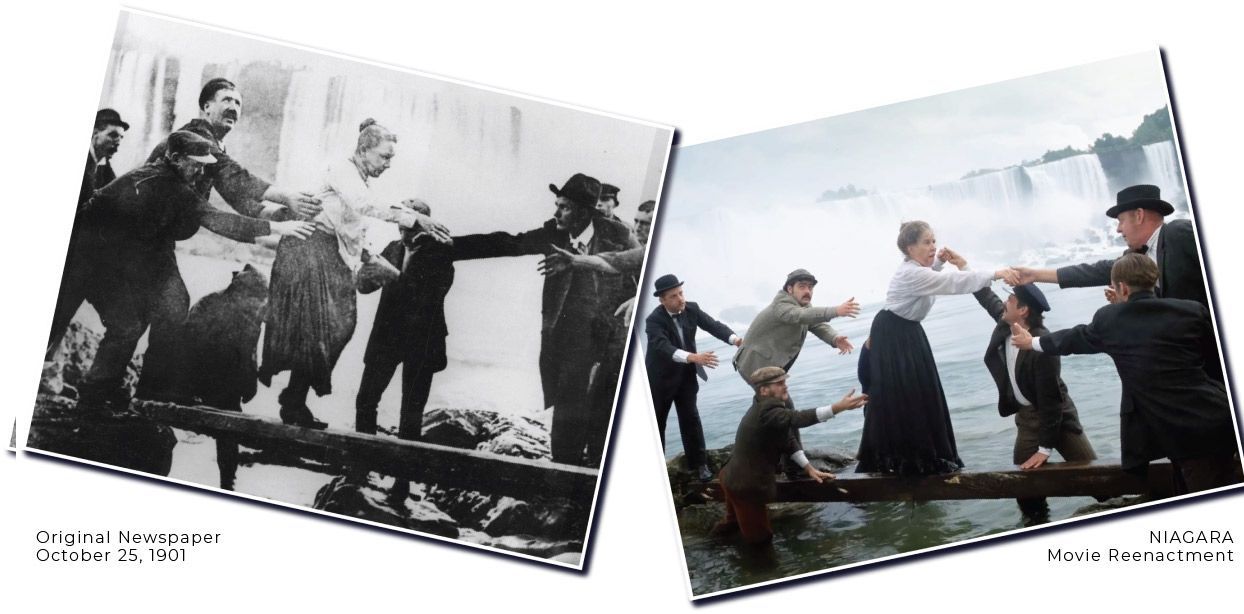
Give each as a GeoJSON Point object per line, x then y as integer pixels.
{"type": "Point", "coordinates": [673, 363]}
{"type": "Point", "coordinates": [577, 304]}
{"type": "Point", "coordinates": [1170, 407]}
{"type": "Point", "coordinates": [1140, 212]}
{"type": "Point", "coordinates": [1030, 387]}
{"type": "Point", "coordinates": [125, 234]}
{"type": "Point", "coordinates": [765, 434]}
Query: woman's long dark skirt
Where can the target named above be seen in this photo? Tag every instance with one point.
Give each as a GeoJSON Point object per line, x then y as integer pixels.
{"type": "Point", "coordinates": [312, 311]}
{"type": "Point", "coordinates": [907, 426]}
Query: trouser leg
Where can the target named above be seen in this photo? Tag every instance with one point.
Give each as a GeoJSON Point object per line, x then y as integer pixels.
{"type": "Point", "coordinates": [689, 424]}
{"type": "Point", "coordinates": [1206, 472]}
{"type": "Point", "coordinates": [568, 432]}
{"type": "Point", "coordinates": [162, 364]}
{"type": "Point", "coordinates": [416, 386]}
{"type": "Point", "coordinates": [661, 403]}
{"type": "Point", "coordinates": [73, 291]}
{"type": "Point", "coordinates": [376, 377]}
{"type": "Point", "coordinates": [1035, 510]}
{"type": "Point", "coordinates": [752, 518]}
{"type": "Point", "coordinates": [123, 310]}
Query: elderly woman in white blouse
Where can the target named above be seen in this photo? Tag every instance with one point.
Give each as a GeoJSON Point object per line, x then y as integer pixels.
{"type": "Point", "coordinates": [312, 306]}
{"type": "Point", "coordinates": [907, 426]}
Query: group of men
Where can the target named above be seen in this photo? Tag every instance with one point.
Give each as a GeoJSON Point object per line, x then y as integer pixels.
{"type": "Point", "coordinates": [121, 260]}
{"type": "Point", "coordinates": [1157, 329]}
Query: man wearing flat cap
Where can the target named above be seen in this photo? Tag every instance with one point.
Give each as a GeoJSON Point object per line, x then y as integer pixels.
{"type": "Point", "coordinates": [1169, 408]}
{"type": "Point", "coordinates": [776, 335]}
{"type": "Point", "coordinates": [125, 234]}
{"type": "Point", "coordinates": [673, 363]}
{"type": "Point", "coordinates": [577, 304]}
{"type": "Point", "coordinates": [765, 434]}
{"type": "Point", "coordinates": [1030, 387]}
{"type": "Point", "coordinates": [1140, 212]}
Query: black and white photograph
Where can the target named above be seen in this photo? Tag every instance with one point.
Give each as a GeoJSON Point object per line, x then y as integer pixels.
{"type": "Point", "coordinates": [350, 288]}
{"type": "Point", "coordinates": [951, 318]}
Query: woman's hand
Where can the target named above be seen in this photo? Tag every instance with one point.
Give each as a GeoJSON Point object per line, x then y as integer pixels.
{"type": "Point", "coordinates": [293, 228]}
{"type": "Point", "coordinates": [1009, 275]}
{"type": "Point", "coordinates": [949, 255]}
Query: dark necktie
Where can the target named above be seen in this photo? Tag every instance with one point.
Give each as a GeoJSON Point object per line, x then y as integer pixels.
{"type": "Point", "coordinates": [1143, 249]}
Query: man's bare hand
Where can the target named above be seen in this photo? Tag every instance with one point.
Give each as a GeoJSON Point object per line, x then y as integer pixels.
{"type": "Point", "coordinates": [850, 401]}
{"type": "Point", "coordinates": [1112, 297]}
{"type": "Point", "coordinates": [738, 342]}
{"type": "Point", "coordinates": [843, 344]}
{"type": "Point", "coordinates": [818, 475]}
{"type": "Point", "coordinates": [1021, 338]}
{"type": "Point", "coordinates": [557, 262]}
{"type": "Point", "coordinates": [293, 228]}
{"type": "Point", "coordinates": [1036, 460]}
{"type": "Point", "coordinates": [704, 359]}
{"type": "Point", "coordinates": [304, 204]}
{"type": "Point", "coordinates": [848, 308]}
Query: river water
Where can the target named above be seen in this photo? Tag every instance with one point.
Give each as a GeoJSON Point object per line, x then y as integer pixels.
{"type": "Point", "coordinates": [811, 537]}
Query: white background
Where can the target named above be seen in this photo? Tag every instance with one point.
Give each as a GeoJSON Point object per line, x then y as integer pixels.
{"type": "Point", "coordinates": [712, 69]}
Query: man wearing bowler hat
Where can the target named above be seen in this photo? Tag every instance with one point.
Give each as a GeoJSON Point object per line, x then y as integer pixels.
{"type": "Point", "coordinates": [577, 305]}
{"type": "Point", "coordinates": [125, 234]}
{"type": "Point", "coordinates": [1140, 212]}
{"type": "Point", "coordinates": [673, 364]}
{"type": "Point", "coordinates": [1030, 387]}
{"type": "Point", "coordinates": [105, 140]}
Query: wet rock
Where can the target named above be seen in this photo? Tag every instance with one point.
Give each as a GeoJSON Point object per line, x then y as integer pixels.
{"type": "Point", "coordinates": [123, 440]}
{"type": "Point", "coordinates": [63, 371]}
{"type": "Point", "coordinates": [486, 431]}
{"type": "Point", "coordinates": [367, 499]}
{"type": "Point", "coordinates": [688, 490]}
{"type": "Point", "coordinates": [562, 550]}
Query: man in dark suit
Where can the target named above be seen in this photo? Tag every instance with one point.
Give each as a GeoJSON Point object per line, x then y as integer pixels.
{"type": "Point", "coordinates": [578, 304]}
{"type": "Point", "coordinates": [1170, 407]}
{"type": "Point", "coordinates": [106, 138]}
{"type": "Point", "coordinates": [766, 433]}
{"type": "Point", "coordinates": [409, 328]}
{"type": "Point", "coordinates": [673, 364]}
{"type": "Point", "coordinates": [1030, 387]}
{"type": "Point", "coordinates": [1140, 212]}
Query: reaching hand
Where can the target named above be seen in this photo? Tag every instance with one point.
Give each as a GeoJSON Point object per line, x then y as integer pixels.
{"type": "Point", "coordinates": [1024, 275]}
{"type": "Point", "coordinates": [848, 308]}
{"type": "Point", "coordinates": [1036, 460]}
{"type": "Point", "coordinates": [738, 342]}
{"type": "Point", "coordinates": [850, 401]}
{"type": "Point", "coordinates": [1009, 275]}
{"type": "Point", "coordinates": [435, 228]}
{"type": "Point", "coordinates": [818, 475]}
{"type": "Point", "coordinates": [1112, 297]}
{"type": "Point", "coordinates": [293, 228]}
{"type": "Point", "coordinates": [949, 255]}
{"type": "Point", "coordinates": [704, 359]}
{"type": "Point", "coordinates": [558, 261]}
{"type": "Point", "coordinates": [625, 309]}
{"type": "Point", "coordinates": [1021, 338]}
{"type": "Point", "coordinates": [843, 344]}
{"type": "Point", "coordinates": [305, 204]}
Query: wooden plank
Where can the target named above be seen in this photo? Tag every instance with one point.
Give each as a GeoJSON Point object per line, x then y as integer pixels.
{"type": "Point", "coordinates": [413, 460]}
{"type": "Point", "coordinates": [1092, 479]}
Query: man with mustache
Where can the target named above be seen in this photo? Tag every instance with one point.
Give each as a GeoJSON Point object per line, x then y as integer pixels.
{"type": "Point", "coordinates": [220, 108]}
{"type": "Point", "coordinates": [578, 304]}
{"type": "Point", "coordinates": [129, 229]}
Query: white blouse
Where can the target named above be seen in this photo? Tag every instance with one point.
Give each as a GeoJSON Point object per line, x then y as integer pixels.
{"type": "Point", "coordinates": [347, 199]}
{"type": "Point", "coordinates": [914, 287]}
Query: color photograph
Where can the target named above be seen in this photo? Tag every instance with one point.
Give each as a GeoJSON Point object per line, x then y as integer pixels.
{"type": "Point", "coordinates": [995, 298]}
{"type": "Point", "coordinates": [349, 288]}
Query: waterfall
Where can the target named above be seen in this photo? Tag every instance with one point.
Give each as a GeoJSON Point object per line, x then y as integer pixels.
{"type": "Point", "coordinates": [1162, 166]}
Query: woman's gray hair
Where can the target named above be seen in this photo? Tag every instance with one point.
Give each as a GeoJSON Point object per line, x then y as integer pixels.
{"type": "Point", "coordinates": [909, 234]}
{"type": "Point", "coordinates": [372, 134]}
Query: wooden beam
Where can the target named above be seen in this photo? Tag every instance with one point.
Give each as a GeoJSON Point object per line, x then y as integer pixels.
{"type": "Point", "coordinates": [1091, 479]}
{"type": "Point", "coordinates": [417, 461]}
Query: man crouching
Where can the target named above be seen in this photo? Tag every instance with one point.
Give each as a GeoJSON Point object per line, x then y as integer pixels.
{"type": "Point", "coordinates": [765, 435]}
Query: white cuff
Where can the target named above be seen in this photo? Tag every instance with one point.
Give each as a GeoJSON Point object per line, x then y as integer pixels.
{"type": "Point", "coordinates": [1046, 451]}
{"type": "Point", "coordinates": [1036, 344]}
{"type": "Point", "coordinates": [733, 339]}
{"type": "Point", "coordinates": [824, 412]}
{"type": "Point", "coordinates": [681, 356]}
{"type": "Point", "coordinates": [800, 459]}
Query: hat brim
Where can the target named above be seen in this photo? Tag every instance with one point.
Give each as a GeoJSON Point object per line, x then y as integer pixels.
{"type": "Point", "coordinates": [205, 159]}
{"type": "Point", "coordinates": [661, 291]}
{"type": "Point", "coordinates": [1152, 204]}
{"type": "Point", "coordinates": [770, 382]}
